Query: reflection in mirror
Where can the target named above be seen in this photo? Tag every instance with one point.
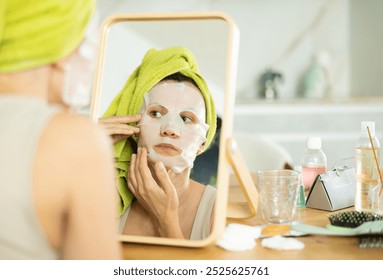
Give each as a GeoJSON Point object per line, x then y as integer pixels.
{"type": "Point", "coordinates": [172, 172]}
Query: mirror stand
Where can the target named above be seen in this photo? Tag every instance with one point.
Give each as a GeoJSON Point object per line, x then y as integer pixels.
{"type": "Point", "coordinates": [246, 183]}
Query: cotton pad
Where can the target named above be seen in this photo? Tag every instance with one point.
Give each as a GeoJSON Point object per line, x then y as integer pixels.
{"type": "Point", "coordinates": [282, 243]}
{"type": "Point", "coordinates": [238, 237]}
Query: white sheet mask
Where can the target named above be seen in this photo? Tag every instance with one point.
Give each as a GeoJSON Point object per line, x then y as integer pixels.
{"type": "Point", "coordinates": [79, 69]}
{"type": "Point", "coordinates": [173, 115]}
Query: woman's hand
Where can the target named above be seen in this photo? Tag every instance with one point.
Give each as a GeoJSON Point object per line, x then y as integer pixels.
{"type": "Point", "coordinates": [158, 197]}
{"type": "Point", "coordinates": [118, 128]}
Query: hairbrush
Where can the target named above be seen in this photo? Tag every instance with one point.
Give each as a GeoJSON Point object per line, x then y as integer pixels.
{"type": "Point", "coordinates": [371, 241]}
{"type": "Point", "coordinates": [352, 219]}
{"type": "Point", "coordinates": [348, 223]}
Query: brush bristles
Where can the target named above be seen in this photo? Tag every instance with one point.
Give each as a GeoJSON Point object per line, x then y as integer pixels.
{"type": "Point", "coordinates": [352, 219]}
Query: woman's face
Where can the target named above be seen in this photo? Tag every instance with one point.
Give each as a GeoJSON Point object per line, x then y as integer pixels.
{"type": "Point", "coordinates": [172, 125]}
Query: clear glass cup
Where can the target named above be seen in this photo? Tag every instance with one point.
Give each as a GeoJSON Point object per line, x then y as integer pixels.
{"type": "Point", "coordinates": [278, 194]}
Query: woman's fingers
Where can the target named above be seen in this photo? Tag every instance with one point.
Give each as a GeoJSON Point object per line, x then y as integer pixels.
{"type": "Point", "coordinates": [164, 178]}
{"type": "Point", "coordinates": [132, 181]}
{"type": "Point", "coordinates": [137, 172]}
{"type": "Point", "coordinates": [122, 129]}
{"type": "Point", "coordinates": [161, 173]}
{"type": "Point", "coordinates": [118, 126]}
{"type": "Point", "coordinates": [120, 119]}
{"type": "Point", "coordinates": [143, 167]}
{"type": "Point", "coordinates": [158, 197]}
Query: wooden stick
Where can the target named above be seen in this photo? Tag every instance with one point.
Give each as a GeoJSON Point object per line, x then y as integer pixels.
{"type": "Point", "coordinates": [376, 161]}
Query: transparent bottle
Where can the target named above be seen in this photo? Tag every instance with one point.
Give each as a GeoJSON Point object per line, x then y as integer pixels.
{"type": "Point", "coordinates": [366, 172]}
{"type": "Point", "coordinates": [314, 161]}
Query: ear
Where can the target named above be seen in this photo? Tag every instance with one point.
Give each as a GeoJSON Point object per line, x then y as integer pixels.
{"type": "Point", "coordinates": [62, 63]}
{"type": "Point", "coordinates": [201, 149]}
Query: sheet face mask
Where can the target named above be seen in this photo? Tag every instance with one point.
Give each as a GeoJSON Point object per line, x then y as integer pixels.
{"type": "Point", "coordinates": [79, 69]}
{"type": "Point", "coordinates": [173, 124]}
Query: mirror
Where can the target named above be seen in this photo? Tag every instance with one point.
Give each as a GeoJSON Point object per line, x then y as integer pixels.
{"type": "Point", "coordinates": [126, 38]}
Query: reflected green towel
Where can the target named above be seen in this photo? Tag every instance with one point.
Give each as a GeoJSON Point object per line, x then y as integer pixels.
{"type": "Point", "coordinates": [156, 65]}
{"type": "Point", "coordinates": [35, 33]}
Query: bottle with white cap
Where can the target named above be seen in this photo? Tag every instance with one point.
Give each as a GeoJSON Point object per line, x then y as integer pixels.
{"type": "Point", "coordinates": [314, 161]}
{"type": "Point", "coordinates": [366, 173]}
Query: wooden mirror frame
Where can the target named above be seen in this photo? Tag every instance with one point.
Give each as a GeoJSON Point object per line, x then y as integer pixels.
{"type": "Point", "coordinates": [220, 207]}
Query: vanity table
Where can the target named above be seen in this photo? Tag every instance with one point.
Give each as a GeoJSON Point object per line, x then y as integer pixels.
{"type": "Point", "coordinates": [317, 247]}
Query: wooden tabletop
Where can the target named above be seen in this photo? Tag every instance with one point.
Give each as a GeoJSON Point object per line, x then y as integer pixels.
{"type": "Point", "coordinates": [317, 247]}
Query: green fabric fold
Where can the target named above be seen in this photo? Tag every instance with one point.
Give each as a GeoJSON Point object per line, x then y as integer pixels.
{"type": "Point", "coordinates": [156, 65]}
{"type": "Point", "coordinates": [36, 33]}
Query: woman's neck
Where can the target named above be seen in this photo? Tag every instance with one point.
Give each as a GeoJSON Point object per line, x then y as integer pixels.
{"type": "Point", "coordinates": [180, 181]}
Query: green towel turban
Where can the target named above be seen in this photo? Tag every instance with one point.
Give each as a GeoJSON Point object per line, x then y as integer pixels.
{"type": "Point", "coordinates": [155, 66]}
{"type": "Point", "coordinates": [39, 32]}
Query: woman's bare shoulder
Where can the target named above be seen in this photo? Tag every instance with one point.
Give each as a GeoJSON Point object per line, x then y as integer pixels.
{"type": "Point", "coordinates": [76, 146]}
{"type": "Point", "coordinates": [197, 185]}
{"type": "Point", "coordinates": [77, 134]}
{"type": "Point", "coordinates": [73, 172]}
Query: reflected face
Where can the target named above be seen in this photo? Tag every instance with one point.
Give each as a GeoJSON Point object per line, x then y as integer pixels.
{"type": "Point", "coordinates": [172, 125]}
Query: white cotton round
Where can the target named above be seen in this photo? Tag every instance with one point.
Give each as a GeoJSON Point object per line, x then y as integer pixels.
{"type": "Point", "coordinates": [238, 237]}
{"type": "Point", "coordinates": [282, 243]}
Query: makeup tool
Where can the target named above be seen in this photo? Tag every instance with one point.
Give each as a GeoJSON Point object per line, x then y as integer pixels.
{"type": "Point", "coordinates": [348, 223]}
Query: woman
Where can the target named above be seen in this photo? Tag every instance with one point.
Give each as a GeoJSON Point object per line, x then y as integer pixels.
{"type": "Point", "coordinates": [55, 167]}
{"type": "Point", "coordinates": [176, 121]}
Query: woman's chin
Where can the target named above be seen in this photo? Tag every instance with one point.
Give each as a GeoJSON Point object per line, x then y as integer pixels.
{"type": "Point", "coordinates": [166, 151]}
